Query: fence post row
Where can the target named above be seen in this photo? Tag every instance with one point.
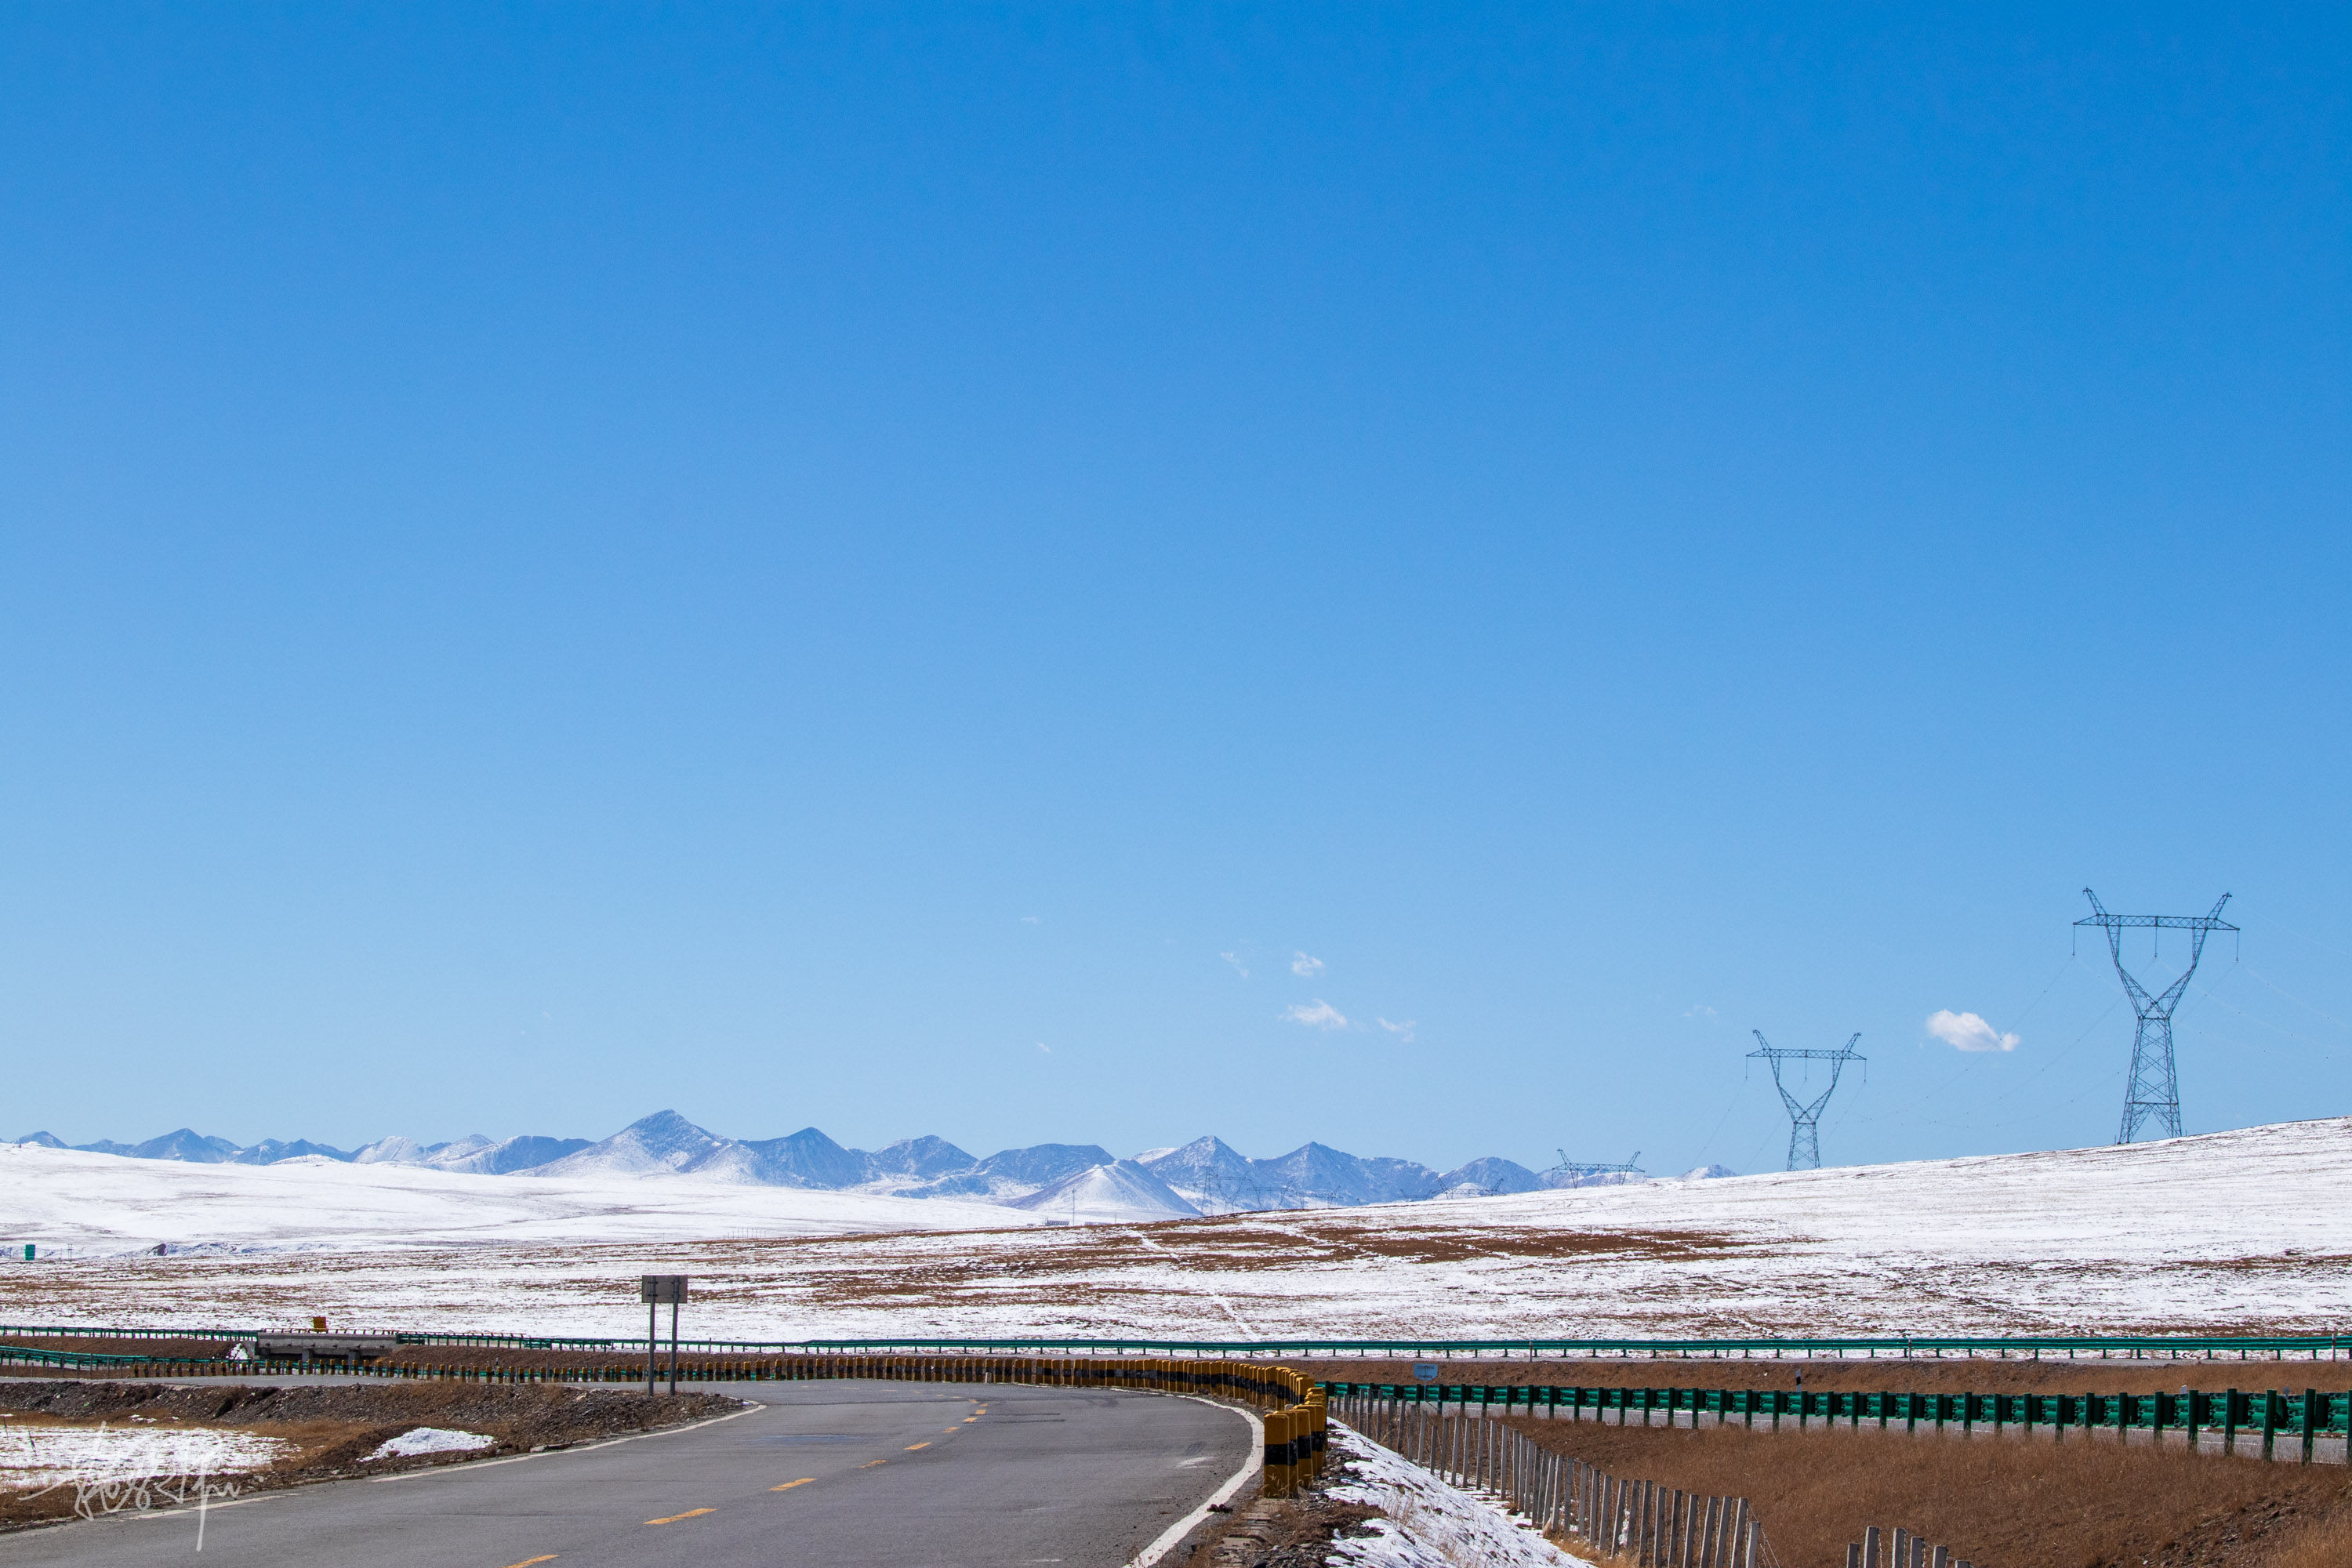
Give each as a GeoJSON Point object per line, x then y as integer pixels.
{"type": "Point", "coordinates": [1560, 1494]}
{"type": "Point", "coordinates": [1906, 1551]}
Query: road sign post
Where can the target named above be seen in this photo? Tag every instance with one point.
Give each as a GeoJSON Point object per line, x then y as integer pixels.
{"type": "Point", "coordinates": [654, 1290]}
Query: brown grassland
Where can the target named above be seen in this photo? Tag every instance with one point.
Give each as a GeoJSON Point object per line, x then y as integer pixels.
{"type": "Point", "coordinates": [2001, 1502]}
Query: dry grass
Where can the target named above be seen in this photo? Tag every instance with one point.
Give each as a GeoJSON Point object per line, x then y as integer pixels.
{"type": "Point", "coordinates": [1999, 1502]}
{"type": "Point", "coordinates": [2324, 1543]}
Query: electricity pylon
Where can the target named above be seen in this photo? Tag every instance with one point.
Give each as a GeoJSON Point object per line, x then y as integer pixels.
{"type": "Point", "coordinates": [1578, 1172]}
{"type": "Point", "coordinates": [2154, 1092]}
{"type": "Point", "coordinates": [1804, 1120]}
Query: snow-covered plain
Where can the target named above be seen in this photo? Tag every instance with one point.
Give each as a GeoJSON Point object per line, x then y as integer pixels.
{"type": "Point", "coordinates": [104, 1204]}
{"type": "Point", "coordinates": [2234, 1231]}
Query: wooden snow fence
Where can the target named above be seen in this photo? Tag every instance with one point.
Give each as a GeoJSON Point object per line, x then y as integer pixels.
{"type": "Point", "coordinates": [1906, 1551]}
{"type": "Point", "coordinates": [1655, 1525]}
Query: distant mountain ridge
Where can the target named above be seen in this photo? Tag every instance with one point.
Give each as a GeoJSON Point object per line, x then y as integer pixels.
{"type": "Point", "coordinates": [1206, 1176]}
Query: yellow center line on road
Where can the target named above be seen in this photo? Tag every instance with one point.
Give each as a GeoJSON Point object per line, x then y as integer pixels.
{"type": "Point", "coordinates": [526, 1561]}
{"type": "Point", "coordinates": [785, 1488]}
{"type": "Point", "coordinates": [689, 1513]}
{"type": "Point", "coordinates": [871, 1463]}
{"type": "Point", "coordinates": [913, 1447]}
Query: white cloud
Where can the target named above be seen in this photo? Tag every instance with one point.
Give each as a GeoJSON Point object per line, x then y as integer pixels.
{"type": "Point", "coordinates": [1306, 968]}
{"type": "Point", "coordinates": [1966, 1032]}
{"type": "Point", "coordinates": [1322, 1015]}
{"type": "Point", "coordinates": [1044, 1048]}
{"type": "Point", "coordinates": [1402, 1031]}
{"type": "Point", "coordinates": [1236, 963]}
{"type": "Point", "coordinates": [1028, 920]}
{"type": "Point", "coordinates": [1699, 1010]}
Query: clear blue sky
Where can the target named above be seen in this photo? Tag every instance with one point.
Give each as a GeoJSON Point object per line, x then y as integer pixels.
{"type": "Point", "coordinates": [825, 565]}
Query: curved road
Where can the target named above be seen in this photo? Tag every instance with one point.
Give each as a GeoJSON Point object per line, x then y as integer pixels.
{"type": "Point", "coordinates": [824, 1475]}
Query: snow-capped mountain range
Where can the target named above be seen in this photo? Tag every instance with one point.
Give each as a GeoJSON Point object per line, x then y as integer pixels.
{"type": "Point", "coordinates": [1203, 1177]}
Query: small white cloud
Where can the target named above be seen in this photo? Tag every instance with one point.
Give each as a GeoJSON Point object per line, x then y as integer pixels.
{"type": "Point", "coordinates": [1236, 963]}
{"type": "Point", "coordinates": [1303, 968]}
{"type": "Point", "coordinates": [1966, 1032]}
{"type": "Point", "coordinates": [1044, 1048]}
{"type": "Point", "coordinates": [1028, 920]}
{"type": "Point", "coordinates": [1699, 1010]}
{"type": "Point", "coordinates": [1322, 1015]}
{"type": "Point", "coordinates": [1403, 1031]}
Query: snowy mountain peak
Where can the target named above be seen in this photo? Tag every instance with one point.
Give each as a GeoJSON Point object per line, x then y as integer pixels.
{"type": "Point", "coordinates": [1487, 1178]}
{"type": "Point", "coordinates": [662, 1143]}
{"type": "Point", "coordinates": [923, 1157]}
{"type": "Point", "coordinates": [393, 1151]}
{"type": "Point", "coordinates": [1207, 1175]}
{"type": "Point", "coordinates": [1119, 1192]}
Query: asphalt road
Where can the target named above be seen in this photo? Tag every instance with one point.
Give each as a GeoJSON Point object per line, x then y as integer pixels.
{"type": "Point", "coordinates": [827, 1475]}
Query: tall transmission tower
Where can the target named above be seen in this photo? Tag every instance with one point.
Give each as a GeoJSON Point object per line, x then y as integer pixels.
{"type": "Point", "coordinates": [1805, 1119]}
{"type": "Point", "coordinates": [2154, 1091]}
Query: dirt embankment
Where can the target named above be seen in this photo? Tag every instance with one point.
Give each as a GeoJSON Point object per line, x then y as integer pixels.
{"type": "Point", "coordinates": [332, 1428]}
{"type": "Point", "coordinates": [1888, 1375]}
{"type": "Point", "coordinates": [2000, 1502]}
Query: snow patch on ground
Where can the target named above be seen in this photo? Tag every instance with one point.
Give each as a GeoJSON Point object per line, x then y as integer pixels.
{"type": "Point", "coordinates": [430, 1440]}
{"type": "Point", "coordinates": [1431, 1524]}
{"type": "Point", "coordinates": [34, 1456]}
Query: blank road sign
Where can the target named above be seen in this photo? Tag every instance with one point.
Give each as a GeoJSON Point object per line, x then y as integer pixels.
{"type": "Point", "coordinates": [661, 1287]}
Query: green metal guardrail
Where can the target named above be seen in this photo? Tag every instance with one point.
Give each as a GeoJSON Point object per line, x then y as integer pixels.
{"type": "Point", "coordinates": [2300, 1416]}
{"type": "Point", "coordinates": [2136, 1347]}
{"type": "Point", "coordinates": [2303, 1416]}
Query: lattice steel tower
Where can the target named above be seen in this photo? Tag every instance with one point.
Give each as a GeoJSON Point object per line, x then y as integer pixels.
{"type": "Point", "coordinates": [2154, 1091]}
{"type": "Point", "coordinates": [1805, 1119]}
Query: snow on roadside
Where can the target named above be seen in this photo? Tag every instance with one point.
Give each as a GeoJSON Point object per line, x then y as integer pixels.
{"type": "Point", "coordinates": [34, 1456]}
{"type": "Point", "coordinates": [430, 1440]}
{"type": "Point", "coordinates": [1430, 1524]}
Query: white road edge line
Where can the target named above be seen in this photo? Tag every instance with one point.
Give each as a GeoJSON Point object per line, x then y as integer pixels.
{"type": "Point", "coordinates": [560, 1453]}
{"type": "Point", "coordinates": [182, 1509]}
{"type": "Point", "coordinates": [1184, 1527]}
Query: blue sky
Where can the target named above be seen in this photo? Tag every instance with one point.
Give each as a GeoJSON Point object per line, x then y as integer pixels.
{"type": "Point", "coordinates": [960, 569]}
